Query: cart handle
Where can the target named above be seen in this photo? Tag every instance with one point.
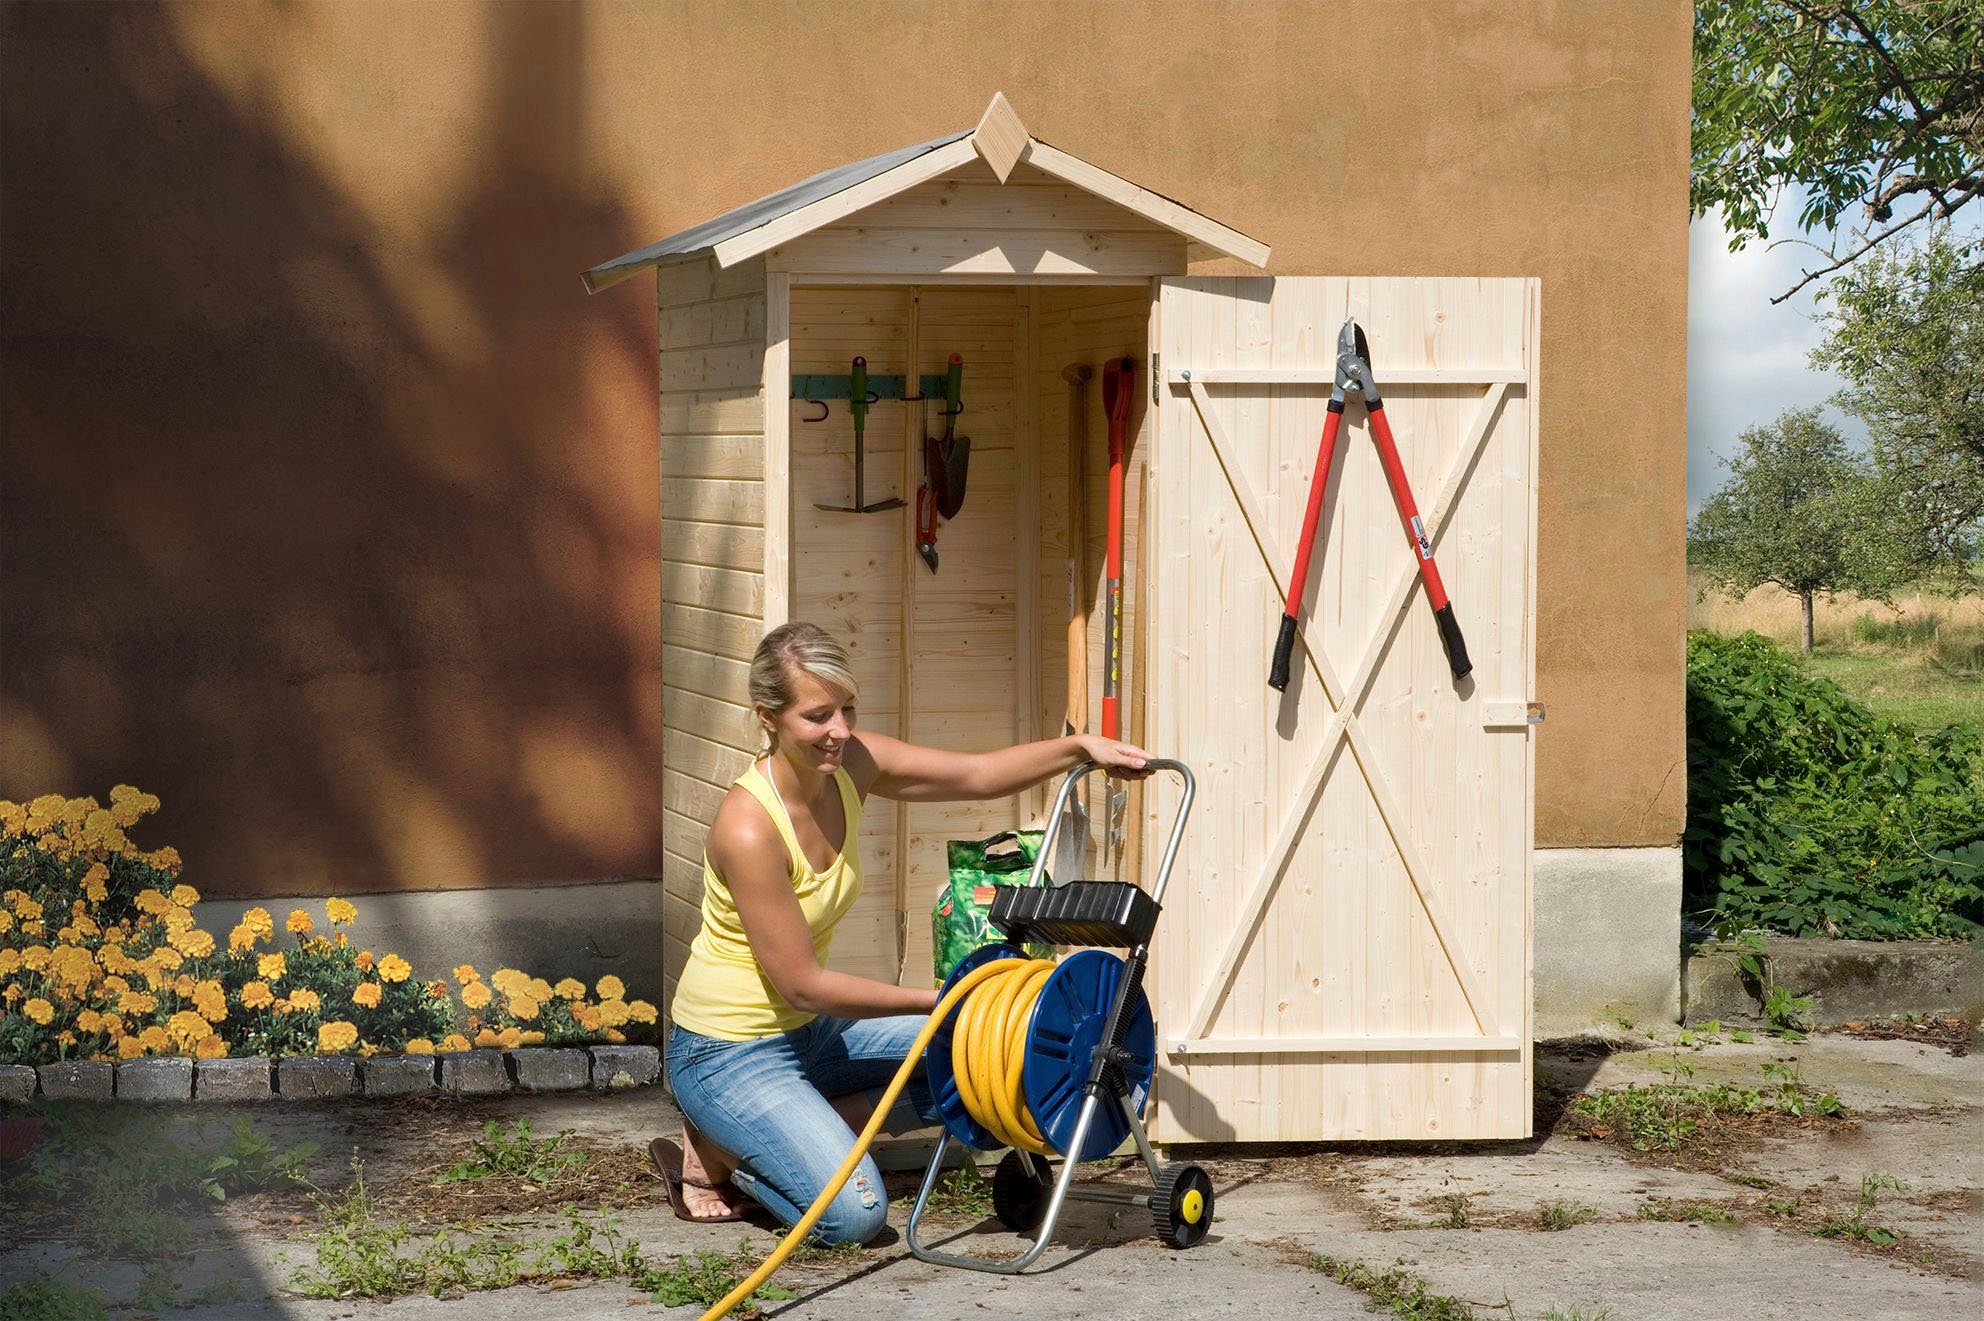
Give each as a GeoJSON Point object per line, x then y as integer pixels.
{"type": "Point", "coordinates": [1183, 772]}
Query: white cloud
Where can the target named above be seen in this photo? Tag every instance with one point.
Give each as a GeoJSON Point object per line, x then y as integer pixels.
{"type": "Point", "coordinates": [1748, 360]}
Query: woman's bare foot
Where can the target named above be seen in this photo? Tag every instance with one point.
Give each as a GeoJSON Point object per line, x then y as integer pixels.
{"type": "Point", "coordinates": [711, 1165]}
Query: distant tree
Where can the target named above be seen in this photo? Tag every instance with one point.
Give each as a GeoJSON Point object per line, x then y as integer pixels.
{"type": "Point", "coordinates": [1799, 510]}
{"type": "Point", "coordinates": [1878, 103]}
{"type": "Point", "coordinates": [1907, 333]}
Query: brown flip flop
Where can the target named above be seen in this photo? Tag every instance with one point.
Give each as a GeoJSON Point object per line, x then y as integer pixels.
{"type": "Point", "coordinates": [666, 1158]}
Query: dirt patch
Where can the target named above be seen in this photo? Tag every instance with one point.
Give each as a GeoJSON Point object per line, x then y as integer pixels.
{"type": "Point", "coordinates": [1952, 1034]}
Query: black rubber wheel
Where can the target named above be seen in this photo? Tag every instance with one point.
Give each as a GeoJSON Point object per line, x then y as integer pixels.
{"type": "Point", "coordinates": [1019, 1199]}
{"type": "Point", "coordinates": [1181, 1207]}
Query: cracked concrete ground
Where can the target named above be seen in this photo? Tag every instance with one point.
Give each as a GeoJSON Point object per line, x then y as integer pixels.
{"type": "Point", "coordinates": [1916, 1117]}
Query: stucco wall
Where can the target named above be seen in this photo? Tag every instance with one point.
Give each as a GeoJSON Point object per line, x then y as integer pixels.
{"type": "Point", "coordinates": [329, 508]}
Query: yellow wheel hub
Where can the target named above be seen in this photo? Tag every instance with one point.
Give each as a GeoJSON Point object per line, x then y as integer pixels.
{"type": "Point", "coordinates": [1192, 1206]}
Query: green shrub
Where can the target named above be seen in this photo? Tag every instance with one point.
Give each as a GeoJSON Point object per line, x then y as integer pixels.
{"type": "Point", "coordinates": [1810, 815]}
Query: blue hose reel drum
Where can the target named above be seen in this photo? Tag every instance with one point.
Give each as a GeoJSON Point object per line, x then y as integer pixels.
{"type": "Point", "coordinates": [1069, 1019]}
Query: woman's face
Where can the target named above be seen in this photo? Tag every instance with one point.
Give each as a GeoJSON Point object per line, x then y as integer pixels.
{"type": "Point", "coordinates": [813, 730]}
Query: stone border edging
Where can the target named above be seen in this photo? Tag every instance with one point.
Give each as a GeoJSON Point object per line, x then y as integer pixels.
{"type": "Point", "coordinates": [1848, 980]}
{"type": "Point", "coordinates": [315, 1077]}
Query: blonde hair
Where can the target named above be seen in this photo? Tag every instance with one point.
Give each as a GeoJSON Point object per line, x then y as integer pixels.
{"type": "Point", "coordinates": [791, 648]}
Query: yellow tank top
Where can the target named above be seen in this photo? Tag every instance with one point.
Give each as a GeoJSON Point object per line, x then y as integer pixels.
{"type": "Point", "coordinates": [723, 991]}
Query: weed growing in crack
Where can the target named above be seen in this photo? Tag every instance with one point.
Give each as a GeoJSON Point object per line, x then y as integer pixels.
{"type": "Point", "coordinates": [1455, 1206]}
{"type": "Point", "coordinates": [43, 1299]}
{"type": "Point", "coordinates": [1697, 1213]}
{"type": "Point", "coordinates": [1554, 1216]}
{"type": "Point", "coordinates": [1748, 1180]}
{"type": "Point", "coordinates": [1855, 1226]}
{"type": "Point", "coordinates": [1666, 1115]}
{"type": "Point", "coordinates": [1399, 1291]}
{"type": "Point", "coordinates": [516, 1153]}
{"type": "Point", "coordinates": [962, 1192]}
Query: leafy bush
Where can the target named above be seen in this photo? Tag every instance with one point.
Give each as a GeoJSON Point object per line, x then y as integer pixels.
{"type": "Point", "coordinates": [101, 957]}
{"type": "Point", "coordinates": [1809, 814]}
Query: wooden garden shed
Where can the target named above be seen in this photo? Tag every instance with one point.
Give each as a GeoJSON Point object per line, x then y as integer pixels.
{"type": "Point", "coordinates": [1345, 951]}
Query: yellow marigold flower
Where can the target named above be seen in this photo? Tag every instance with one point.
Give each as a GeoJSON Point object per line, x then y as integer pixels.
{"type": "Point", "coordinates": [363, 960]}
{"type": "Point", "coordinates": [539, 989]}
{"type": "Point", "coordinates": [6, 921]}
{"type": "Point", "coordinates": [152, 901]}
{"type": "Point", "coordinates": [35, 957]}
{"type": "Point", "coordinates": [183, 984]}
{"type": "Point", "coordinates": [257, 995]}
{"type": "Point", "coordinates": [165, 859]}
{"type": "Point", "coordinates": [475, 995]}
{"type": "Point", "coordinates": [86, 925]}
{"type": "Point", "coordinates": [336, 1036]}
{"type": "Point", "coordinates": [165, 956]}
{"type": "Point", "coordinates": [342, 940]}
{"type": "Point", "coordinates": [112, 1024]}
{"type": "Point", "coordinates": [25, 908]}
{"type": "Point", "coordinates": [317, 944]}
{"type": "Point", "coordinates": [89, 1020]}
{"type": "Point", "coordinates": [185, 896]}
{"type": "Point", "coordinates": [532, 1038]}
{"type": "Point", "coordinates": [454, 1041]}
{"type": "Point", "coordinates": [613, 1012]}
{"type": "Point", "coordinates": [615, 1035]}
{"type": "Point", "coordinates": [522, 1006]}
{"type": "Point", "coordinates": [39, 1010]}
{"type": "Point", "coordinates": [510, 1038]}
{"type": "Point", "coordinates": [13, 817]}
{"type": "Point", "coordinates": [393, 968]}
{"type": "Point", "coordinates": [437, 989]}
{"type": "Point", "coordinates": [570, 988]}
{"type": "Point", "coordinates": [10, 960]}
{"type": "Point", "coordinates": [188, 1028]}
{"type": "Point", "coordinates": [65, 1038]}
{"type": "Point", "coordinates": [210, 1000]}
{"type": "Point", "coordinates": [197, 943]}
{"type": "Point", "coordinates": [464, 973]}
{"type": "Point", "coordinates": [509, 981]}
{"type": "Point", "coordinates": [304, 998]}
{"type": "Point", "coordinates": [339, 910]}
{"type": "Point", "coordinates": [33, 929]}
{"type": "Point", "coordinates": [96, 890]}
{"type": "Point", "coordinates": [259, 921]}
{"type": "Point", "coordinates": [418, 1046]}
{"type": "Point", "coordinates": [73, 967]}
{"type": "Point", "coordinates": [129, 1048]}
{"type": "Point", "coordinates": [116, 985]}
{"type": "Point", "coordinates": [12, 993]}
{"type": "Point", "coordinates": [299, 922]}
{"type": "Point", "coordinates": [588, 1017]}
{"type": "Point", "coordinates": [44, 809]}
{"type": "Point", "coordinates": [241, 938]}
{"type": "Point", "coordinates": [487, 1037]}
{"type": "Point", "coordinates": [610, 987]}
{"type": "Point", "coordinates": [210, 1047]}
{"type": "Point", "coordinates": [368, 1049]}
{"type": "Point", "coordinates": [366, 994]}
{"type": "Point", "coordinates": [271, 966]}
{"type": "Point", "coordinates": [178, 919]}
{"type": "Point", "coordinates": [640, 1011]}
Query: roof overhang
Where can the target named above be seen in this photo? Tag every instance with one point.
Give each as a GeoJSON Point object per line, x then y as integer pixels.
{"type": "Point", "coordinates": [1000, 139]}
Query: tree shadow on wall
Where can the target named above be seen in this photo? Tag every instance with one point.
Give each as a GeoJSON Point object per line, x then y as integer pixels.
{"type": "Point", "coordinates": [328, 516]}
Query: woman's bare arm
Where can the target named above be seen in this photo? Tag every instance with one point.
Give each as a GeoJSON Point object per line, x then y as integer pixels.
{"type": "Point", "coordinates": [895, 769]}
{"type": "Point", "coordinates": [748, 853]}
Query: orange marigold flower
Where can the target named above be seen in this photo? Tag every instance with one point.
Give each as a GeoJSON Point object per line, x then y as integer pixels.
{"type": "Point", "coordinates": [454, 1041]}
{"type": "Point", "coordinates": [136, 1002]}
{"type": "Point", "coordinates": [299, 922]}
{"type": "Point", "coordinates": [6, 921]}
{"type": "Point", "coordinates": [210, 1047]}
{"type": "Point", "coordinates": [305, 998]}
{"type": "Point", "coordinates": [438, 989]}
{"type": "Point", "coordinates": [640, 1011]}
{"type": "Point", "coordinates": [475, 995]}
{"type": "Point", "coordinates": [368, 1049]}
{"type": "Point", "coordinates": [588, 1017]}
{"type": "Point", "coordinates": [188, 1028]}
{"type": "Point", "coordinates": [615, 1035]}
{"type": "Point", "coordinates": [129, 1048]}
{"type": "Point", "coordinates": [165, 956]}
{"type": "Point", "coordinates": [539, 989]}
{"type": "Point", "coordinates": [342, 940]}
{"type": "Point", "coordinates": [271, 966]}
{"type": "Point", "coordinates": [363, 960]}
{"type": "Point", "coordinates": [112, 1024]}
{"type": "Point", "coordinates": [178, 919]}
{"type": "Point", "coordinates": [487, 1037]}
{"type": "Point", "coordinates": [610, 987]}
{"type": "Point", "coordinates": [10, 959]}
{"type": "Point", "coordinates": [257, 995]}
{"type": "Point", "coordinates": [210, 1000]}
{"type": "Point", "coordinates": [241, 938]}
{"type": "Point", "coordinates": [153, 901]}
{"type": "Point", "coordinates": [259, 921]}
{"type": "Point", "coordinates": [183, 984]}
{"type": "Point", "coordinates": [39, 1010]}
{"type": "Point", "coordinates": [154, 1038]}
{"type": "Point", "coordinates": [613, 1012]}
{"type": "Point", "coordinates": [89, 1020]}
{"type": "Point", "coordinates": [339, 911]}
{"type": "Point", "coordinates": [509, 981]}
{"type": "Point", "coordinates": [185, 896]}
{"type": "Point", "coordinates": [197, 943]}
{"type": "Point", "coordinates": [522, 1006]}
{"type": "Point", "coordinates": [465, 973]}
{"type": "Point", "coordinates": [510, 1038]}
{"type": "Point", "coordinates": [531, 1038]}
{"type": "Point", "coordinates": [366, 994]}
{"type": "Point", "coordinates": [571, 988]}
{"type": "Point", "coordinates": [418, 1046]}
{"type": "Point", "coordinates": [336, 1036]}
{"type": "Point", "coordinates": [393, 968]}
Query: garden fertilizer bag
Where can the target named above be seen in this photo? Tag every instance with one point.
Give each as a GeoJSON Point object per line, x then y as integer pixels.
{"type": "Point", "coordinates": [958, 923]}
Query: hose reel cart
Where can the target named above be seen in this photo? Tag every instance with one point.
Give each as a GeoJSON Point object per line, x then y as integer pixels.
{"type": "Point", "coordinates": [1080, 1037]}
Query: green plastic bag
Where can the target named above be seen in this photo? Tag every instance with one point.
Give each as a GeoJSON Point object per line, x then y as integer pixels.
{"type": "Point", "coordinates": [958, 923]}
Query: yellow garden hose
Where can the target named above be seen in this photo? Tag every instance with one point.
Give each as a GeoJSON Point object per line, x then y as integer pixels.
{"type": "Point", "coordinates": [987, 1051]}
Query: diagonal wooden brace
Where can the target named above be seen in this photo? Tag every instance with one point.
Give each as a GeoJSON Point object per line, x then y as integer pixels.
{"type": "Point", "coordinates": [1343, 723]}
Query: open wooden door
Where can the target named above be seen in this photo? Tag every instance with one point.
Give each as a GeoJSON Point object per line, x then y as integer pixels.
{"type": "Point", "coordinates": [1345, 947]}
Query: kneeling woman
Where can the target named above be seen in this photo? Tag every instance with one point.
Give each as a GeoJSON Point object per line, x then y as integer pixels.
{"type": "Point", "coordinates": [774, 1060]}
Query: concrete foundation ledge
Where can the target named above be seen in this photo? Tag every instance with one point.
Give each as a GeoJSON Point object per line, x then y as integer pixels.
{"type": "Point", "coordinates": [1607, 926]}
{"type": "Point", "coordinates": [1847, 980]}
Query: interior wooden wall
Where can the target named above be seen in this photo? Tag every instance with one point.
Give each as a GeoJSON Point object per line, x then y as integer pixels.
{"type": "Point", "coordinates": [712, 563]}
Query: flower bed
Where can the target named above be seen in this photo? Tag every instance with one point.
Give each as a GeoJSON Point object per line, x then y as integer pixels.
{"type": "Point", "coordinates": [103, 960]}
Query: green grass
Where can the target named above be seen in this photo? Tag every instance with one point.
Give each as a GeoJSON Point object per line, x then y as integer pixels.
{"type": "Point", "coordinates": [1915, 688]}
{"type": "Point", "coordinates": [1397, 1291]}
{"type": "Point", "coordinates": [1554, 1216]}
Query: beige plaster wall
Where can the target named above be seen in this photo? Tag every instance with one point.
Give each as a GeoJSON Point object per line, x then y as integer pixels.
{"type": "Point", "coordinates": [329, 509]}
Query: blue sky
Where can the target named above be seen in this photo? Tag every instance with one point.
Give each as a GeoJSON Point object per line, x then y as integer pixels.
{"type": "Point", "coordinates": [1747, 360]}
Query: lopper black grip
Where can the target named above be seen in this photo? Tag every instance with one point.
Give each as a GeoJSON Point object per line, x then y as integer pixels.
{"type": "Point", "coordinates": [1450, 639]}
{"type": "Point", "coordinates": [1284, 646]}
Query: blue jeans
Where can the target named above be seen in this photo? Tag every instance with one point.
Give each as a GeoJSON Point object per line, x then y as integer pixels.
{"type": "Point", "coordinates": [766, 1103]}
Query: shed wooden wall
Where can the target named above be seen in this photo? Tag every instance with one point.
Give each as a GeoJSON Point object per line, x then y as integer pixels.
{"type": "Point", "coordinates": [713, 509]}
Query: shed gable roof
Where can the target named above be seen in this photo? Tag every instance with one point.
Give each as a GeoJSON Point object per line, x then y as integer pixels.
{"type": "Point", "coordinates": [999, 138]}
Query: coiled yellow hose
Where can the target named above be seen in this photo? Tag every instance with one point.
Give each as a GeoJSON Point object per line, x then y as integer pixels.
{"type": "Point", "coordinates": [987, 1052]}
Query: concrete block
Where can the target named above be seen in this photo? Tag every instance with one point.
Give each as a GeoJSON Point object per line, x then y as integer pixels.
{"type": "Point", "coordinates": [77, 1080]}
{"type": "Point", "coordinates": [155, 1080]}
{"type": "Point", "coordinates": [396, 1075]}
{"type": "Point", "coordinates": [314, 1076]}
{"type": "Point", "coordinates": [16, 1082]}
{"type": "Point", "coordinates": [624, 1066]}
{"type": "Point", "coordinates": [1848, 980]}
{"type": "Point", "coordinates": [1607, 925]}
{"type": "Point", "coordinates": [551, 1070]}
{"type": "Point", "coordinates": [247, 1079]}
{"type": "Point", "coordinates": [474, 1072]}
